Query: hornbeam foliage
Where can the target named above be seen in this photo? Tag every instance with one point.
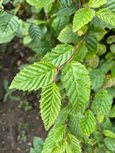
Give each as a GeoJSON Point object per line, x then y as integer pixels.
{"type": "Point", "coordinates": [96, 3]}
{"type": "Point", "coordinates": [9, 25]}
{"type": "Point", "coordinates": [107, 16]}
{"type": "Point", "coordinates": [50, 104]}
{"type": "Point", "coordinates": [82, 17]}
{"type": "Point", "coordinates": [34, 76]}
{"type": "Point", "coordinates": [75, 71]}
{"type": "Point", "coordinates": [88, 123]}
{"type": "Point", "coordinates": [60, 54]}
{"type": "Point", "coordinates": [102, 103]}
{"type": "Point", "coordinates": [73, 145]}
{"type": "Point", "coordinates": [76, 81]}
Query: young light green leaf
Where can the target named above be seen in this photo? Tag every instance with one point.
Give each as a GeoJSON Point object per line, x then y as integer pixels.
{"type": "Point", "coordinates": [67, 35]}
{"type": "Point", "coordinates": [102, 103]}
{"type": "Point", "coordinates": [88, 123]}
{"type": "Point", "coordinates": [109, 133]}
{"type": "Point", "coordinates": [82, 17]}
{"type": "Point", "coordinates": [107, 16]}
{"type": "Point", "coordinates": [73, 145]}
{"type": "Point", "coordinates": [60, 148]}
{"type": "Point", "coordinates": [50, 104]}
{"type": "Point", "coordinates": [55, 136]}
{"type": "Point", "coordinates": [41, 4]}
{"type": "Point", "coordinates": [96, 3]}
{"type": "Point", "coordinates": [76, 81]}
{"type": "Point", "coordinates": [34, 76]}
{"type": "Point", "coordinates": [60, 54]}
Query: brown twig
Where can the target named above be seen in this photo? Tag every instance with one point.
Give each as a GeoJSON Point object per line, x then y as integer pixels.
{"type": "Point", "coordinates": [82, 2]}
{"type": "Point", "coordinates": [59, 67]}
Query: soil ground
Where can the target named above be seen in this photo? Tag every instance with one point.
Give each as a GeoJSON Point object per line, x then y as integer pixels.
{"type": "Point", "coordinates": [17, 127]}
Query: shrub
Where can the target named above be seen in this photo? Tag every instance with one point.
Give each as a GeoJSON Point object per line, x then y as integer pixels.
{"type": "Point", "coordinates": [75, 72]}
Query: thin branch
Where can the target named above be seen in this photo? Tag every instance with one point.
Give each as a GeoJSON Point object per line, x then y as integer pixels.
{"type": "Point", "coordinates": [60, 67]}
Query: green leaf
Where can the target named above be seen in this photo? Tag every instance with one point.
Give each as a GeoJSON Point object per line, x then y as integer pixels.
{"type": "Point", "coordinates": [112, 112]}
{"type": "Point", "coordinates": [96, 3]}
{"type": "Point", "coordinates": [67, 35]}
{"type": "Point", "coordinates": [35, 32]}
{"type": "Point", "coordinates": [60, 148]}
{"type": "Point", "coordinates": [76, 81]}
{"type": "Point", "coordinates": [88, 123]}
{"type": "Point", "coordinates": [97, 79]}
{"type": "Point", "coordinates": [81, 52]}
{"type": "Point", "coordinates": [39, 4]}
{"type": "Point", "coordinates": [73, 145]}
{"type": "Point", "coordinates": [55, 136]}
{"type": "Point", "coordinates": [66, 7]}
{"type": "Point", "coordinates": [91, 43]}
{"type": "Point", "coordinates": [110, 144]}
{"type": "Point", "coordinates": [110, 39]}
{"type": "Point", "coordinates": [109, 81]}
{"type": "Point", "coordinates": [92, 60]}
{"type": "Point", "coordinates": [34, 76]}
{"type": "Point", "coordinates": [106, 16]}
{"type": "Point", "coordinates": [9, 25]}
{"type": "Point", "coordinates": [74, 126]}
{"type": "Point", "coordinates": [102, 103]}
{"type": "Point", "coordinates": [37, 145]}
{"type": "Point", "coordinates": [58, 24]}
{"type": "Point", "coordinates": [60, 54]}
{"type": "Point", "coordinates": [112, 48]}
{"type": "Point", "coordinates": [109, 133]}
{"type": "Point", "coordinates": [110, 5]}
{"type": "Point", "coordinates": [82, 17]}
{"type": "Point", "coordinates": [50, 104]}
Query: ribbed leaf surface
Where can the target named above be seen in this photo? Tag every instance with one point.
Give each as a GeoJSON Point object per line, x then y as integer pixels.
{"type": "Point", "coordinates": [34, 76]}
{"type": "Point", "coordinates": [102, 103]}
{"type": "Point", "coordinates": [53, 139]}
{"type": "Point", "coordinates": [109, 134]}
{"type": "Point", "coordinates": [60, 148]}
{"type": "Point", "coordinates": [106, 16]}
{"type": "Point", "coordinates": [88, 123]}
{"type": "Point", "coordinates": [67, 35]}
{"type": "Point", "coordinates": [59, 23]}
{"type": "Point", "coordinates": [97, 79]}
{"type": "Point", "coordinates": [35, 32]}
{"type": "Point", "coordinates": [50, 104]}
{"type": "Point", "coordinates": [76, 81]}
{"type": "Point", "coordinates": [82, 17]}
{"type": "Point", "coordinates": [91, 42]}
{"type": "Point", "coordinates": [73, 145]}
{"type": "Point", "coordinates": [60, 54]}
{"type": "Point", "coordinates": [110, 144]}
{"type": "Point", "coordinates": [66, 7]}
{"type": "Point", "coordinates": [9, 25]}
{"type": "Point", "coordinates": [96, 3]}
{"type": "Point", "coordinates": [110, 5]}
{"type": "Point", "coordinates": [39, 3]}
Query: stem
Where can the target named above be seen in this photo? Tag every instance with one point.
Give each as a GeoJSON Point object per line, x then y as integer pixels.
{"type": "Point", "coordinates": [60, 67]}
{"type": "Point", "coordinates": [82, 2]}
